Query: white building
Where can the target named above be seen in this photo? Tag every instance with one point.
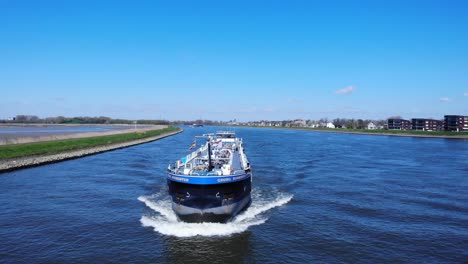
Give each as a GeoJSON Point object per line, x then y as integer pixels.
{"type": "Point", "coordinates": [330, 125]}
{"type": "Point", "coordinates": [371, 125]}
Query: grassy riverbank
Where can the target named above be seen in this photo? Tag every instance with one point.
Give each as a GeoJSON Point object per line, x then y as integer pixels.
{"type": "Point", "coordinates": [59, 146]}
{"type": "Point", "coordinates": [408, 133]}
{"type": "Point", "coordinates": [392, 132]}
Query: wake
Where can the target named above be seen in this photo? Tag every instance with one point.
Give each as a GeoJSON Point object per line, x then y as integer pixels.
{"type": "Point", "coordinates": [165, 221]}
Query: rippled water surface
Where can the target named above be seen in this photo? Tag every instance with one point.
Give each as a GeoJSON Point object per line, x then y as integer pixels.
{"type": "Point", "coordinates": [317, 197]}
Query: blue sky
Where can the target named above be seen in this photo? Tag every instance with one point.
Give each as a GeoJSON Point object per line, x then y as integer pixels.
{"type": "Point", "coordinates": [244, 60]}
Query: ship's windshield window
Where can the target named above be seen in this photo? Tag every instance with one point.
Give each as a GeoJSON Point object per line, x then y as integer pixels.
{"type": "Point", "coordinates": [226, 136]}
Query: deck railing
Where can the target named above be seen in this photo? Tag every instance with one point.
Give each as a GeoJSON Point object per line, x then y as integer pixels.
{"type": "Point", "coordinates": [195, 153]}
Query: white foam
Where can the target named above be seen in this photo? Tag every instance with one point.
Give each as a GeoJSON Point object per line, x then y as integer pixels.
{"type": "Point", "coordinates": [166, 222]}
{"type": "Point", "coordinates": [162, 207]}
{"type": "Point", "coordinates": [181, 229]}
{"type": "Point", "coordinates": [261, 206]}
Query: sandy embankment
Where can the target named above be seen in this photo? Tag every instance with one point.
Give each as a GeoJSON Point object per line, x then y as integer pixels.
{"type": "Point", "coordinates": [24, 162]}
{"type": "Point", "coordinates": [49, 136]}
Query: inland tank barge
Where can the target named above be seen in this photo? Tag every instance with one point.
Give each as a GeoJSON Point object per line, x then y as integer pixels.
{"type": "Point", "coordinates": [213, 183]}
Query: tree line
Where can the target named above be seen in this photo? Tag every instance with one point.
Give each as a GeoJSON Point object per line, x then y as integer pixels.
{"type": "Point", "coordinates": [356, 123]}
{"type": "Point", "coordinates": [33, 119]}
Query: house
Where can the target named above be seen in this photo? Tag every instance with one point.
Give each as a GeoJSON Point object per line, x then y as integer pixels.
{"type": "Point", "coordinates": [398, 123]}
{"type": "Point", "coordinates": [330, 125]}
{"type": "Point", "coordinates": [299, 123]}
{"type": "Point", "coordinates": [371, 125]}
{"type": "Point", "coordinates": [455, 123]}
{"type": "Point", "coordinates": [426, 124]}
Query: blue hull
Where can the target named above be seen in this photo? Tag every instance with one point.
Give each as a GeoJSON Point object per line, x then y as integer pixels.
{"type": "Point", "coordinates": [209, 202]}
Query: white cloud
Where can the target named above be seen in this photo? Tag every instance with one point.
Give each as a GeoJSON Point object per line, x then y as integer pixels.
{"type": "Point", "coordinates": [465, 94]}
{"type": "Point", "coordinates": [346, 90]}
{"type": "Point", "coordinates": [444, 99]}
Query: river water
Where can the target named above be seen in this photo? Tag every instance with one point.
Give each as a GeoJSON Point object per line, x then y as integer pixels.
{"type": "Point", "coordinates": [317, 198]}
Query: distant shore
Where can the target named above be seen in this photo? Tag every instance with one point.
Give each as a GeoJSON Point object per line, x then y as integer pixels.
{"type": "Point", "coordinates": [36, 160]}
{"type": "Point", "coordinates": [397, 133]}
{"type": "Point", "coordinates": [391, 134]}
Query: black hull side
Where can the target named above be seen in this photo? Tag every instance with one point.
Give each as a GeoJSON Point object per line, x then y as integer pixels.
{"type": "Point", "coordinates": [210, 202]}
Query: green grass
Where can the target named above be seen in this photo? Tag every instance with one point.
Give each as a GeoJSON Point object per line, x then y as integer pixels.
{"type": "Point", "coordinates": [396, 132]}
{"type": "Point", "coordinates": [58, 146]}
{"type": "Point", "coordinates": [377, 131]}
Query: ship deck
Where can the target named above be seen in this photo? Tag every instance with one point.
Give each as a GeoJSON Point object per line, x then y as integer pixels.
{"type": "Point", "coordinates": [219, 156]}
